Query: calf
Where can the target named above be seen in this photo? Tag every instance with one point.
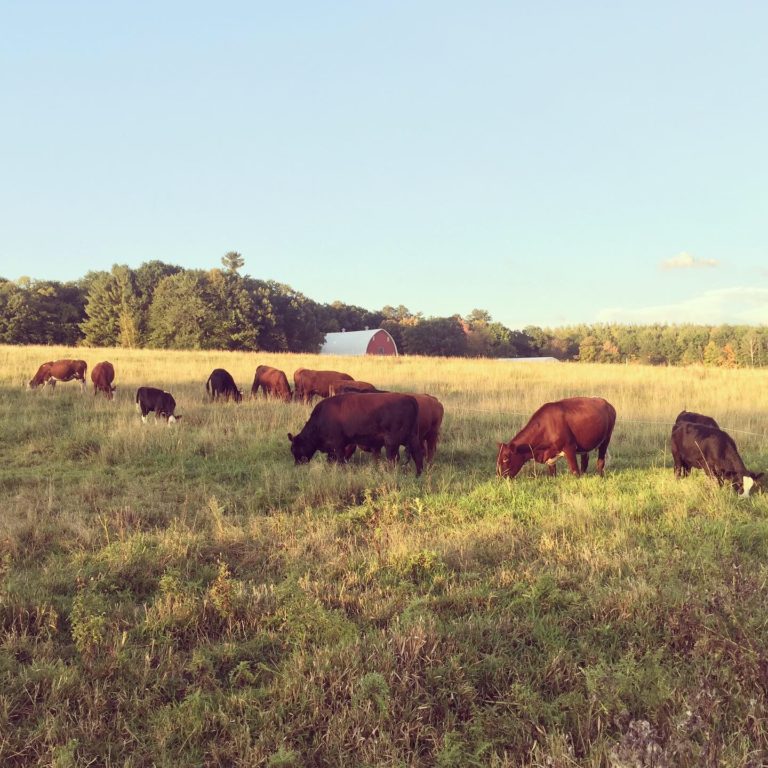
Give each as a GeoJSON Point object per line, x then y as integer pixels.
{"type": "Point", "coordinates": [221, 384]}
{"type": "Point", "coordinates": [102, 376]}
{"type": "Point", "coordinates": [150, 399]}
{"type": "Point", "coordinates": [714, 451]}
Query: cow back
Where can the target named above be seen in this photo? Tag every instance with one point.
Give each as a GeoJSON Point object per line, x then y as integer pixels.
{"type": "Point", "coordinates": [696, 418]}
{"type": "Point", "coordinates": [309, 382]}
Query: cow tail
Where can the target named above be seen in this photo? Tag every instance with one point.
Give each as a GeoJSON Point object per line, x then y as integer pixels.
{"type": "Point", "coordinates": [208, 388]}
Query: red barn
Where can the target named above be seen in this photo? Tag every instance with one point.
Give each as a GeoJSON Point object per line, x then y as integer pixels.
{"type": "Point", "coordinates": [372, 342]}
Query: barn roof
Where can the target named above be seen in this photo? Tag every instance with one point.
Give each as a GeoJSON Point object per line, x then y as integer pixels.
{"type": "Point", "coordinates": [349, 342]}
{"type": "Point", "coordinates": [529, 359]}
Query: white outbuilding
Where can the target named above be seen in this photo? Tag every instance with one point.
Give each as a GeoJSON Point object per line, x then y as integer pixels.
{"type": "Point", "coordinates": [376, 341]}
{"type": "Point", "coordinates": [528, 359]}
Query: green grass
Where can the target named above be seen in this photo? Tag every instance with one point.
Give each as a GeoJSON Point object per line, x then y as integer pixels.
{"type": "Point", "coordinates": [186, 596]}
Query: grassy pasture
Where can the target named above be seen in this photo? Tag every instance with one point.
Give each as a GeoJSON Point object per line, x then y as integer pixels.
{"type": "Point", "coordinates": [186, 596]}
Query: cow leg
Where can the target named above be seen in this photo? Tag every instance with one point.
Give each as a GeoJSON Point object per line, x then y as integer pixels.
{"type": "Point", "coordinates": [393, 452]}
{"type": "Point", "coordinates": [415, 446]}
{"type": "Point", "coordinates": [430, 447]}
{"type": "Point", "coordinates": [602, 451]}
{"type": "Point", "coordinates": [552, 467]}
{"type": "Point", "coordinates": [570, 457]}
{"type": "Point", "coordinates": [585, 463]}
{"type": "Point", "coordinates": [338, 453]}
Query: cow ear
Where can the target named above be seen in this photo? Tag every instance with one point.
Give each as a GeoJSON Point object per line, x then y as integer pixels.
{"type": "Point", "coordinates": [758, 475]}
{"type": "Point", "coordinates": [290, 437]}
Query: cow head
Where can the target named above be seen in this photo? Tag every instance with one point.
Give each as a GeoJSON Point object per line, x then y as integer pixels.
{"type": "Point", "coordinates": [41, 377]}
{"type": "Point", "coordinates": [511, 458]}
{"type": "Point", "coordinates": [750, 482]}
{"type": "Point", "coordinates": [300, 448]}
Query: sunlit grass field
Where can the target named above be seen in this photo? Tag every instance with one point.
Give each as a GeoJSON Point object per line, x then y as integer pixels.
{"type": "Point", "coordinates": [185, 595]}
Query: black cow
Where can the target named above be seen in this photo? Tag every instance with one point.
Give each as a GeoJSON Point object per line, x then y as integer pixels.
{"type": "Point", "coordinates": [162, 403]}
{"type": "Point", "coordinates": [714, 451]}
{"type": "Point", "coordinates": [378, 418]}
{"type": "Point", "coordinates": [696, 418]}
{"type": "Point", "coordinates": [221, 384]}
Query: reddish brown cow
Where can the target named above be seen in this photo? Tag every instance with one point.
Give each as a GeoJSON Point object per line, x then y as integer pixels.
{"type": "Point", "coordinates": [59, 370]}
{"type": "Point", "coordinates": [308, 382]}
{"type": "Point", "coordinates": [386, 418]}
{"type": "Point", "coordinates": [102, 376]}
{"type": "Point", "coordinates": [344, 386]}
{"type": "Point", "coordinates": [273, 382]}
{"type": "Point", "coordinates": [567, 427]}
{"type": "Point", "coordinates": [430, 420]}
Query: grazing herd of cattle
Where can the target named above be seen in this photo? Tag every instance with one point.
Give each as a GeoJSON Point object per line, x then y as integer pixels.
{"type": "Point", "coordinates": [355, 414]}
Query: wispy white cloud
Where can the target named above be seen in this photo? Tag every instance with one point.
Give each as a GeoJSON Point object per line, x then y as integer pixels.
{"type": "Point", "coordinates": [739, 305]}
{"type": "Point", "coordinates": [686, 261]}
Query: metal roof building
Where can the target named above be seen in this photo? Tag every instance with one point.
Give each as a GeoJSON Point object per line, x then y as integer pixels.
{"type": "Point", "coordinates": [376, 341]}
{"type": "Point", "coordinates": [528, 359]}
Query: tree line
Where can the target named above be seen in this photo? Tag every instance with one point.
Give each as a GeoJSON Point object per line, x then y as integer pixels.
{"type": "Point", "coordinates": [164, 306]}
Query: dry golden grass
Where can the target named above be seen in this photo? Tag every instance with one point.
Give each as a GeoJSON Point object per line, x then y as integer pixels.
{"type": "Point", "coordinates": [185, 595]}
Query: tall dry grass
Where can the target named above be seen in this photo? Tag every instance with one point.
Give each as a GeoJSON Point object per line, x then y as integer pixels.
{"type": "Point", "coordinates": [185, 595]}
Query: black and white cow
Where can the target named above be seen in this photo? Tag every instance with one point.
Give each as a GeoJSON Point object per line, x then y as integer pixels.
{"type": "Point", "coordinates": [221, 384]}
{"type": "Point", "coordinates": [150, 399]}
{"type": "Point", "coordinates": [714, 451]}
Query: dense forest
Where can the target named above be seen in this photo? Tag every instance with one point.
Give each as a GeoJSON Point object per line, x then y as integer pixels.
{"type": "Point", "coordinates": [165, 306]}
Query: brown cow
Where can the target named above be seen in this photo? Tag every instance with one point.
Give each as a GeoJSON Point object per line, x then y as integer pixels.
{"type": "Point", "coordinates": [388, 418]}
{"type": "Point", "coordinates": [308, 383]}
{"type": "Point", "coordinates": [273, 382]}
{"type": "Point", "coordinates": [59, 370]}
{"type": "Point", "coordinates": [430, 420]}
{"type": "Point", "coordinates": [102, 376]}
{"type": "Point", "coordinates": [344, 386]}
{"type": "Point", "coordinates": [567, 427]}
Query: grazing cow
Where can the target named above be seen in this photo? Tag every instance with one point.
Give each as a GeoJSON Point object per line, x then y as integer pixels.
{"type": "Point", "coordinates": [714, 451]}
{"type": "Point", "coordinates": [386, 418]}
{"type": "Point", "coordinates": [344, 386]}
{"type": "Point", "coordinates": [102, 376]}
{"type": "Point", "coordinates": [59, 370]}
{"type": "Point", "coordinates": [162, 403]}
{"type": "Point", "coordinates": [308, 383]}
{"type": "Point", "coordinates": [430, 420]}
{"type": "Point", "coordinates": [273, 382]}
{"type": "Point", "coordinates": [221, 384]}
{"type": "Point", "coordinates": [576, 425]}
{"type": "Point", "coordinates": [696, 418]}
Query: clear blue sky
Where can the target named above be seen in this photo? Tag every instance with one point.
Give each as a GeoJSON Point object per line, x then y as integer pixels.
{"type": "Point", "coordinates": [551, 162]}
